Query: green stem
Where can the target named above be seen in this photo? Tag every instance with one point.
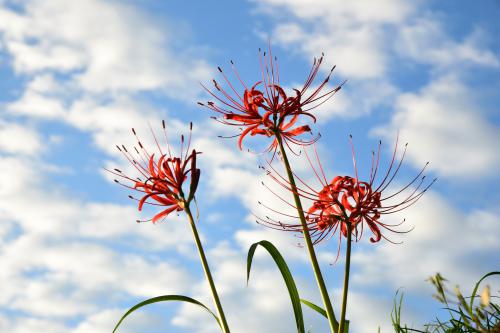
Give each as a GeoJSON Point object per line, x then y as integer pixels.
{"type": "Point", "coordinates": [307, 238]}
{"type": "Point", "coordinates": [346, 277]}
{"type": "Point", "coordinates": [206, 269]}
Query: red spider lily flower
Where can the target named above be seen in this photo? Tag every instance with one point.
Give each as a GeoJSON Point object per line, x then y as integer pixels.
{"type": "Point", "coordinates": [350, 200]}
{"type": "Point", "coordinates": [161, 177]}
{"type": "Point", "coordinates": [265, 109]}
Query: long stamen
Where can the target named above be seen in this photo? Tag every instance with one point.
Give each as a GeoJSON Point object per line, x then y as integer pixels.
{"type": "Point", "coordinates": [230, 85]}
{"type": "Point", "coordinates": [390, 165]}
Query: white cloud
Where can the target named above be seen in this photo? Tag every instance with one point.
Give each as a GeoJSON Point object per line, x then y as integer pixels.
{"type": "Point", "coordinates": [40, 99]}
{"type": "Point", "coordinates": [265, 298]}
{"type": "Point", "coordinates": [18, 139]}
{"type": "Point", "coordinates": [100, 322]}
{"type": "Point", "coordinates": [107, 47]}
{"type": "Point", "coordinates": [29, 325]}
{"type": "Point", "coordinates": [37, 105]}
{"type": "Point", "coordinates": [73, 52]}
{"type": "Point", "coordinates": [443, 241]}
{"type": "Point", "coordinates": [425, 41]}
{"type": "Point", "coordinates": [102, 46]}
{"type": "Point", "coordinates": [104, 321]}
{"type": "Point", "coordinates": [387, 11]}
{"type": "Point", "coordinates": [365, 41]}
{"type": "Point", "coordinates": [352, 34]}
{"type": "Point", "coordinates": [357, 51]}
{"type": "Point", "coordinates": [367, 313]}
{"type": "Point", "coordinates": [444, 124]}
{"type": "Point", "coordinates": [70, 265]}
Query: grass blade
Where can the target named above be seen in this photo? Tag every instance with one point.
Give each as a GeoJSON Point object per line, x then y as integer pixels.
{"type": "Point", "coordinates": [287, 277]}
{"type": "Point", "coordinates": [474, 292]}
{"type": "Point", "coordinates": [322, 312]}
{"type": "Point", "coordinates": [315, 307]}
{"type": "Point", "coordinates": [165, 298]}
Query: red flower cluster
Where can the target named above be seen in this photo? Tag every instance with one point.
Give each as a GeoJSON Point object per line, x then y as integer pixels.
{"type": "Point", "coordinates": [349, 200]}
{"type": "Point", "coordinates": [265, 109]}
{"type": "Point", "coordinates": [161, 178]}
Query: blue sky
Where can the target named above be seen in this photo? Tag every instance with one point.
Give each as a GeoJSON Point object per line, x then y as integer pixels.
{"type": "Point", "coordinates": [76, 76]}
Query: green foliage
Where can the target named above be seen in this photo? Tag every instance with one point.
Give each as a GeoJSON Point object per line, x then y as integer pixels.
{"type": "Point", "coordinates": [166, 298]}
{"type": "Point", "coordinates": [322, 312]}
{"type": "Point", "coordinates": [464, 316]}
{"type": "Point", "coordinates": [315, 307]}
{"type": "Point", "coordinates": [287, 277]}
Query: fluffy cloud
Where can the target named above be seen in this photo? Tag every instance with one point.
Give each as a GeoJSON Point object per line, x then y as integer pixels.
{"type": "Point", "coordinates": [353, 34]}
{"type": "Point", "coordinates": [102, 321]}
{"type": "Point", "coordinates": [265, 297]}
{"type": "Point", "coordinates": [450, 238]}
{"type": "Point", "coordinates": [18, 139]}
{"type": "Point", "coordinates": [74, 55]}
{"type": "Point", "coordinates": [86, 63]}
{"type": "Point", "coordinates": [365, 40]}
{"type": "Point", "coordinates": [426, 42]}
{"type": "Point", "coordinates": [101, 46]}
{"type": "Point", "coordinates": [55, 259]}
{"type": "Point", "coordinates": [27, 325]}
{"type": "Point", "coordinates": [447, 123]}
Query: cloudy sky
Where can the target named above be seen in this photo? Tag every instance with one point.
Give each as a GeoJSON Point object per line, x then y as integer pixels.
{"type": "Point", "coordinates": [75, 76]}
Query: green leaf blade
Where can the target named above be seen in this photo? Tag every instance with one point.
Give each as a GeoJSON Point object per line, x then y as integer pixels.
{"type": "Point", "coordinates": [315, 307]}
{"type": "Point", "coordinates": [165, 298]}
{"type": "Point", "coordinates": [287, 277]}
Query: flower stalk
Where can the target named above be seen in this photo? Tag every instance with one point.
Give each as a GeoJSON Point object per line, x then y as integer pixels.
{"type": "Point", "coordinates": [309, 244]}
{"type": "Point", "coordinates": [346, 275]}
{"type": "Point", "coordinates": [206, 269]}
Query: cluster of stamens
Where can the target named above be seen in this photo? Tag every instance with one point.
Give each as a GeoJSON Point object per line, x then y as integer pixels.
{"type": "Point", "coordinates": [161, 178]}
{"type": "Point", "coordinates": [347, 203]}
{"type": "Point", "coordinates": [265, 109]}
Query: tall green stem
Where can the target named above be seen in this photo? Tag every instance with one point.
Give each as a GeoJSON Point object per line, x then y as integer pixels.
{"type": "Point", "coordinates": [307, 238]}
{"type": "Point", "coordinates": [346, 277]}
{"type": "Point", "coordinates": [206, 269]}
